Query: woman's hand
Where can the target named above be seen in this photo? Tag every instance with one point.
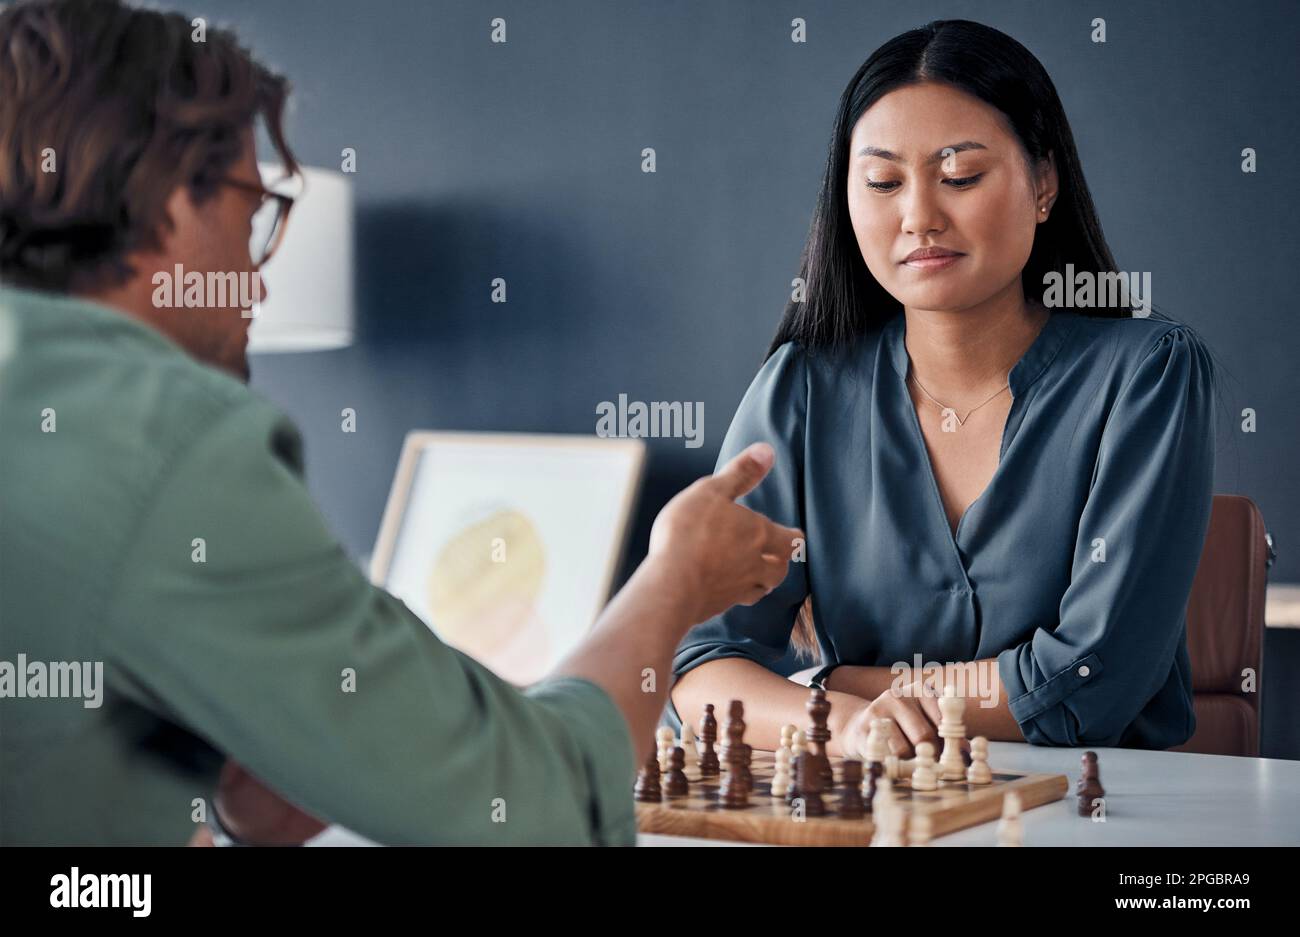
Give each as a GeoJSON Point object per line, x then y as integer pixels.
{"type": "Point", "coordinates": [914, 709]}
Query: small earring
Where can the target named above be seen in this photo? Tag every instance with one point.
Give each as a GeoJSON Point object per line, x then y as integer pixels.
{"type": "Point", "coordinates": [1043, 210]}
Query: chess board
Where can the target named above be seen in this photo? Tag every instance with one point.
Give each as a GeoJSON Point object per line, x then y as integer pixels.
{"type": "Point", "coordinates": [767, 819]}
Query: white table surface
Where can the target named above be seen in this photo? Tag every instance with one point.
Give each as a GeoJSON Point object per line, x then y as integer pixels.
{"type": "Point", "coordinates": [1152, 799]}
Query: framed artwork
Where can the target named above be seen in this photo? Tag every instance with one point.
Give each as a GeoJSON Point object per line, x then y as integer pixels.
{"type": "Point", "coordinates": [507, 545]}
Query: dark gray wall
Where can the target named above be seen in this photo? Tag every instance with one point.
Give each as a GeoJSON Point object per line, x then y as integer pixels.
{"type": "Point", "coordinates": [523, 161]}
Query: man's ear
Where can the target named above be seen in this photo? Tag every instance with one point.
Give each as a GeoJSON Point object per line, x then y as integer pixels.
{"type": "Point", "coordinates": [180, 217]}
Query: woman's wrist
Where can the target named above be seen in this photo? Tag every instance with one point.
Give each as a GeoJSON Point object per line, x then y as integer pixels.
{"type": "Point", "coordinates": [822, 677]}
{"type": "Point", "coordinates": [844, 707]}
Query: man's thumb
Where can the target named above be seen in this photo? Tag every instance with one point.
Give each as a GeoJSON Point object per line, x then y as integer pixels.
{"type": "Point", "coordinates": [746, 470]}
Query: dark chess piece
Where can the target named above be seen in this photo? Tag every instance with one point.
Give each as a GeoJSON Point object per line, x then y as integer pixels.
{"type": "Point", "coordinates": [647, 782]}
{"type": "Point", "coordinates": [874, 772]}
{"type": "Point", "coordinates": [709, 766]}
{"type": "Point", "coordinates": [1089, 789]}
{"type": "Point", "coordinates": [851, 806]}
{"type": "Point", "coordinates": [808, 775]}
{"type": "Point", "coordinates": [733, 731]}
{"type": "Point", "coordinates": [676, 785]}
{"type": "Point", "coordinates": [819, 710]}
{"type": "Point", "coordinates": [734, 793]}
{"type": "Point", "coordinates": [747, 759]}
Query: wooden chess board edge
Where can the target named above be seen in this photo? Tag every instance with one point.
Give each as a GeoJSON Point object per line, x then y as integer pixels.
{"type": "Point", "coordinates": [752, 826]}
{"type": "Point", "coordinates": [1035, 790]}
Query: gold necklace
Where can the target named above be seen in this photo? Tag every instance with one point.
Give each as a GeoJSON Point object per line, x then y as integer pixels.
{"type": "Point", "coordinates": [937, 403]}
{"type": "Point", "coordinates": [960, 420]}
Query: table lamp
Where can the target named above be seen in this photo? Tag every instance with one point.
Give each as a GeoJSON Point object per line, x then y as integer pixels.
{"type": "Point", "coordinates": [309, 277]}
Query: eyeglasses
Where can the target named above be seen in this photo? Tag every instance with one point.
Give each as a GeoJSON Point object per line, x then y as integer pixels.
{"type": "Point", "coordinates": [269, 221]}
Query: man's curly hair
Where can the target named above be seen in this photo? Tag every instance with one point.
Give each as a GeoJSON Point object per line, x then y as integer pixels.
{"type": "Point", "coordinates": [129, 106]}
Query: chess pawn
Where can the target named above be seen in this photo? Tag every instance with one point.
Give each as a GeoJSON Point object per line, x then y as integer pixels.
{"type": "Point", "coordinates": [878, 751]}
{"type": "Point", "coordinates": [1009, 831]}
{"type": "Point", "coordinates": [781, 776]}
{"type": "Point", "coordinates": [647, 789]}
{"type": "Point", "coordinates": [873, 772]}
{"type": "Point", "coordinates": [798, 744]}
{"type": "Point", "coordinates": [733, 793]}
{"type": "Point", "coordinates": [924, 777]}
{"type": "Point", "coordinates": [733, 731]}
{"type": "Point", "coordinates": [808, 776]}
{"type": "Point", "coordinates": [1089, 789]}
{"type": "Point", "coordinates": [787, 734]}
{"type": "Point", "coordinates": [920, 830]}
{"type": "Point", "coordinates": [851, 806]}
{"type": "Point", "coordinates": [952, 729]}
{"type": "Point", "coordinates": [979, 772]}
{"type": "Point", "coordinates": [878, 741]}
{"type": "Point", "coordinates": [676, 785]}
{"type": "Point", "coordinates": [664, 742]}
{"type": "Point", "coordinates": [689, 747]}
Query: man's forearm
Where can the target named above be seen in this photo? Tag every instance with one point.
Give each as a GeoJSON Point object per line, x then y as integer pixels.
{"type": "Point", "coordinates": [629, 651]}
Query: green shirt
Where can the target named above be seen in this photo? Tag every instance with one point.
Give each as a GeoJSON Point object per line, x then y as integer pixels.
{"type": "Point", "coordinates": [153, 519]}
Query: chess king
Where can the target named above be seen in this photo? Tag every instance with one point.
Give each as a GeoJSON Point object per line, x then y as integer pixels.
{"type": "Point", "coordinates": [984, 476]}
{"type": "Point", "coordinates": [129, 149]}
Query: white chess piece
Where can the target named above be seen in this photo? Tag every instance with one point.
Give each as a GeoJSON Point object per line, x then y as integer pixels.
{"type": "Point", "coordinates": [878, 750]}
{"type": "Point", "coordinates": [665, 739]}
{"type": "Point", "coordinates": [886, 816]}
{"type": "Point", "coordinates": [952, 729]}
{"type": "Point", "coordinates": [897, 824]}
{"type": "Point", "coordinates": [690, 746]}
{"type": "Point", "coordinates": [798, 745]}
{"type": "Point", "coordinates": [781, 777]}
{"type": "Point", "coordinates": [979, 771]}
{"type": "Point", "coordinates": [878, 741]}
{"type": "Point", "coordinates": [787, 740]}
{"type": "Point", "coordinates": [1009, 830]}
{"type": "Point", "coordinates": [924, 777]}
{"type": "Point", "coordinates": [920, 830]}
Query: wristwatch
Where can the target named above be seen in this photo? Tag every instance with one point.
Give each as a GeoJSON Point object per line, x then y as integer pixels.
{"type": "Point", "coordinates": [820, 677]}
{"type": "Point", "coordinates": [220, 835]}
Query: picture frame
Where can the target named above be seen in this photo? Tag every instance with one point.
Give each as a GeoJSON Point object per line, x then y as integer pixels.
{"type": "Point", "coordinates": [507, 544]}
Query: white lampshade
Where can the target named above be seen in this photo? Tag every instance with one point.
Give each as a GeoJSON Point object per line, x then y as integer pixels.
{"type": "Point", "coordinates": [309, 277]}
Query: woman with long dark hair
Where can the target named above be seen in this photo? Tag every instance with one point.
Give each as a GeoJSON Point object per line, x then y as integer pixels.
{"type": "Point", "coordinates": [1002, 462]}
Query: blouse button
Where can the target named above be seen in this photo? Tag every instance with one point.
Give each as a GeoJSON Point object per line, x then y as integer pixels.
{"type": "Point", "coordinates": [1084, 671]}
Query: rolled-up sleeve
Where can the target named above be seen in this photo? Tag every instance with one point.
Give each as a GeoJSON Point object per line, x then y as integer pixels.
{"type": "Point", "coordinates": [239, 617]}
{"type": "Point", "coordinates": [773, 410]}
{"type": "Point", "coordinates": [1121, 632]}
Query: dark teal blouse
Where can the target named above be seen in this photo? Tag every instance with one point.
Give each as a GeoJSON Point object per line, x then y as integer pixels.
{"type": "Point", "coordinates": [1073, 567]}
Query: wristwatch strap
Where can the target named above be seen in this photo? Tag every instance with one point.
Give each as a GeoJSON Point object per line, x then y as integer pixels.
{"type": "Point", "coordinates": [820, 677]}
{"type": "Point", "coordinates": [220, 835]}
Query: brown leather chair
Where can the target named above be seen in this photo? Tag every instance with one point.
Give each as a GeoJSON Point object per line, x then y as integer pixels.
{"type": "Point", "coordinates": [1225, 630]}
